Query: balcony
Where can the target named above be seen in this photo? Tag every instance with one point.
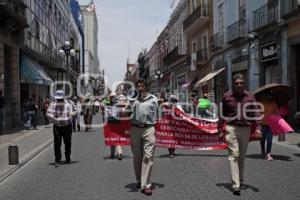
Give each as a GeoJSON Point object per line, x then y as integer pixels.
{"type": "Point", "coordinates": [289, 8]}
{"type": "Point", "coordinates": [237, 31]}
{"type": "Point", "coordinates": [197, 19]}
{"type": "Point", "coordinates": [202, 56]}
{"type": "Point", "coordinates": [217, 41]}
{"type": "Point", "coordinates": [171, 56]}
{"type": "Point", "coordinates": [12, 14]}
{"type": "Point", "coordinates": [265, 16]}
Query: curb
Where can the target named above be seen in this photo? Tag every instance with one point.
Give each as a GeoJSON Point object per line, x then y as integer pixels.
{"type": "Point", "coordinates": [26, 158]}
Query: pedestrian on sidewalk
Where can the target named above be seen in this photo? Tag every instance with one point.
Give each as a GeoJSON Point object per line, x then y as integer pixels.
{"type": "Point", "coordinates": [143, 136]}
{"type": "Point", "coordinates": [2, 113]}
{"type": "Point", "coordinates": [45, 106]}
{"type": "Point", "coordinates": [236, 122]}
{"type": "Point", "coordinates": [32, 109]}
{"type": "Point", "coordinates": [60, 113]}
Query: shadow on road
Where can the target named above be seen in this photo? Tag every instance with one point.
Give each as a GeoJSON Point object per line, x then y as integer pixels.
{"type": "Point", "coordinates": [116, 157]}
{"type": "Point", "coordinates": [297, 154]}
{"type": "Point", "coordinates": [133, 186]}
{"type": "Point", "coordinates": [187, 155]}
{"type": "Point", "coordinates": [228, 186]}
{"type": "Point", "coordinates": [64, 163]}
{"type": "Point", "coordinates": [276, 157]}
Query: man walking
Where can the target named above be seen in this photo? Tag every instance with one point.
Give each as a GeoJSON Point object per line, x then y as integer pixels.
{"type": "Point", "coordinates": [60, 112]}
{"type": "Point", "coordinates": [143, 136]}
{"type": "Point", "coordinates": [237, 122]}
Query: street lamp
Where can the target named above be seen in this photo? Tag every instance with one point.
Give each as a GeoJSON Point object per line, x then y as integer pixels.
{"type": "Point", "coordinates": [158, 76]}
{"type": "Point", "coordinates": [67, 50]}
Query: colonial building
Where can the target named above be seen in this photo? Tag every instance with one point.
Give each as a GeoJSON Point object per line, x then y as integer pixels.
{"type": "Point", "coordinates": [13, 23]}
{"type": "Point", "coordinates": [175, 60]}
{"type": "Point", "coordinates": [197, 27]}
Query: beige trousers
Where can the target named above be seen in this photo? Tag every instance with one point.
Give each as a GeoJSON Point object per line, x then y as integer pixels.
{"type": "Point", "coordinates": [237, 138]}
{"type": "Point", "coordinates": [143, 147]}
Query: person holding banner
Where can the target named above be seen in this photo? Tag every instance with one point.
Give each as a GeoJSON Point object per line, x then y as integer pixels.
{"type": "Point", "coordinates": [173, 101]}
{"type": "Point", "coordinates": [236, 121]}
{"type": "Point", "coordinates": [142, 136]}
{"type": "Point", "coordinates": [114, 111]}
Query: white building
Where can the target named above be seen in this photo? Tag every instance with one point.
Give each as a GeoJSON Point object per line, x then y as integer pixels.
{"type": "Point", "coordinates": [91, 40]}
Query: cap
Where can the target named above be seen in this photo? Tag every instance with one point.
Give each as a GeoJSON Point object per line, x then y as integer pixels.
{"type": "Point", "coordinates": [59, 94]}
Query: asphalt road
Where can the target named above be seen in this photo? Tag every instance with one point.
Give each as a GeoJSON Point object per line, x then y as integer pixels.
{"type": "Point", "coordinates": [190, 175]}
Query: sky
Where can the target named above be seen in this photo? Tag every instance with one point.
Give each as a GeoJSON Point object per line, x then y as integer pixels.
{"type": "Point", "coordinates": [125, 28]}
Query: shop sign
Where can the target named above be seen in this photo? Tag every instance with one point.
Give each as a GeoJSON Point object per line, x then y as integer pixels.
{"type": "Point", "coordinates": [269, 52]}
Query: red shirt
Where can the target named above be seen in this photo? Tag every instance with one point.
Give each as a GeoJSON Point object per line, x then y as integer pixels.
{"type": "Point", "coordinates": [232, 104]}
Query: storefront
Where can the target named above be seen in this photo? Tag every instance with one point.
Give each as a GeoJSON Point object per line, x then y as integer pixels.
{"type": "Point", "coordinates": [33, 82]}
{"type": "Point", "coordinates": [269, 70]}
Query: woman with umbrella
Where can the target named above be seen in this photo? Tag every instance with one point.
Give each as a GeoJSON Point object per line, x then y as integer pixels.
{"type": "Point", "coordinates": [270, 108]}
{"type": "Point", "coordinates": [273, 97]}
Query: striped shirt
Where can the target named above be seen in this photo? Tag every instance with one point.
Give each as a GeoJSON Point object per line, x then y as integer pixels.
{"type": "Point", "coordinates": [60, 113]}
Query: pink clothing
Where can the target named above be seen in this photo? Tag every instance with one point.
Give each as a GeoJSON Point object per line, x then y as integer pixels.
{"type": "Point", "coordinates": [278, 125]}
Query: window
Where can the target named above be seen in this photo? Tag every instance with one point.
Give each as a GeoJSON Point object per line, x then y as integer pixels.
{"type": "Point", "coordinates": [37, 30]}
{"type": "Point", "coordinates": [204, 42]}
{"type": "Point", "coordinates": [221, 17]}
{"type": "Point", "coordinates": [242, 9]}
{"type": "Point", "coordinates": [194, 5]}
{"type": "Point", "coordinates": [194, 46]}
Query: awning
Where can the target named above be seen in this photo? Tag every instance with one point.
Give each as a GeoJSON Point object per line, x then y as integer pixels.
{"type": "Point", "coordinates": [32, 72]}
{"type": "Point", "coordinates": [188, 83]}
{"type": "Point", "coordinates": [209, 76]}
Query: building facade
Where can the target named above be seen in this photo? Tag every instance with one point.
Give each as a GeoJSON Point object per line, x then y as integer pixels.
{"type": "Point", "coordinates": [91, 40]}
{"type": "Point", "coordinates": [13, 24]}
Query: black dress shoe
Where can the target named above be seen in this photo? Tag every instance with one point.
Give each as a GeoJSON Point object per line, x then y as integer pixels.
{"type": "Point", "coordinates": [138, 185]}
{"type": "Point", "coordinates": [112, 156]}
{"type": "Point", "coordinates": [120, 156]}
{"type": "Point", "coordinates": [236, 192]}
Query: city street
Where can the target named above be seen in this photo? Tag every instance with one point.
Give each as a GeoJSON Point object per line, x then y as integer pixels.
{"type": "Point", "coordinates": [190, 175]}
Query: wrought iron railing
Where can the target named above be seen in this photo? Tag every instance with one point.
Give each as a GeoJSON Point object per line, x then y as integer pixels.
{"type": "Point", "coordinates": [237, 30]}
{"type": "Point", "coordinates": [265, 15]}
{"type": "Point", "coordinates": [202, 55]}
{"type": "Point", "coordinates": [217, 41]}
{"type": "Point", "coordinates": [201, 11]}
{"type": "Point", "coordinates": [289, 8]}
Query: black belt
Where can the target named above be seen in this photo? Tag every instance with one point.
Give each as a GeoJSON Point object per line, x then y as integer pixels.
{"type": "Point", "coordinates": [142, 125]}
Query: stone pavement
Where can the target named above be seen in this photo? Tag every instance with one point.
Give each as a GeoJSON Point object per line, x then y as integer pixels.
{"type": "Point", "coordinates": [30, 143]}
{"type": "Point", "coordinates": [190, 175]}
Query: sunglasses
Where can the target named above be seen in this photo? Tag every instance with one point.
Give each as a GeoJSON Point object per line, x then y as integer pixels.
{"type": "Point", "coordinates": [239, 83]}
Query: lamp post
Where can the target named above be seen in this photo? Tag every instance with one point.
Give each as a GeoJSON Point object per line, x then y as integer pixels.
{"type": "Point", "coordinates": [67, 50]}
{"type": "Point", "coordinates": [158, 76]}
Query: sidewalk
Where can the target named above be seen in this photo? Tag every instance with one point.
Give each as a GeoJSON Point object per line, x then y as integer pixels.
{"type": "Point", "coordinates": [291, 141]}
{"type": "Point", "coordinates": [30, 143]}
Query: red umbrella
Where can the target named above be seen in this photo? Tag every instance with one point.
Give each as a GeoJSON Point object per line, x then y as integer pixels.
{"type": "Point", "coordinates": [280, 93]}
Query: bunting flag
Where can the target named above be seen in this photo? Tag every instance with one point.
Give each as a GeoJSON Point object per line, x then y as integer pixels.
{"type": "Point", "coordinates": [91, 7]}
